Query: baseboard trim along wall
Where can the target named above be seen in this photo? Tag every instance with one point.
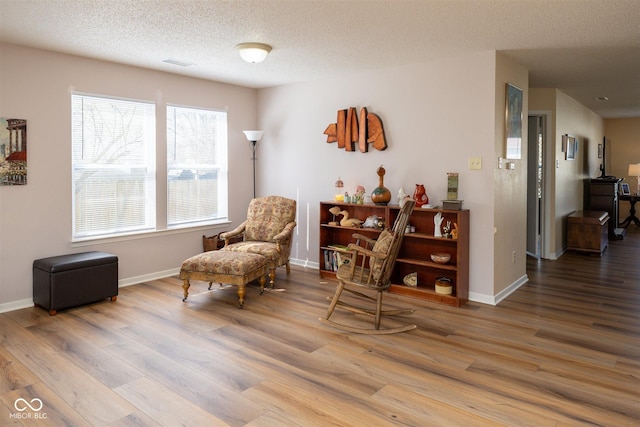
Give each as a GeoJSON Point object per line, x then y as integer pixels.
{"type": "Point", "coordinates": [481, 298]}
{"type": "Point", "coordinates": [28, 302]}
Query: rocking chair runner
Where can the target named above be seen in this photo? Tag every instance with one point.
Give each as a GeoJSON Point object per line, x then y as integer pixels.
{"type": "Point", "coordinates": [370, 267]}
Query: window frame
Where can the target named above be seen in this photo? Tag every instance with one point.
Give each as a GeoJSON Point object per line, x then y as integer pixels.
{"type": "Point", "coordinates": [159, 209]}
{"type": "Point", "coordinates": [147, 126]}
{"type": "Point", "coordinates": [222, 168]}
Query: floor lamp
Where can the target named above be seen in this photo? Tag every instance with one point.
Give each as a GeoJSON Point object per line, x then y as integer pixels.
{"type": "Point", "coordinates": [253, 136]}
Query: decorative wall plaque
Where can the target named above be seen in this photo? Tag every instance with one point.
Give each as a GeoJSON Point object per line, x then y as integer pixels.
{"type": "Point", "coordinates": [349, 131]}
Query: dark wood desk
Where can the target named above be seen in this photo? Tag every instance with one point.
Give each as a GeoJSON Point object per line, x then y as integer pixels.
{"type": "Point", "coordinates": [632, 211]}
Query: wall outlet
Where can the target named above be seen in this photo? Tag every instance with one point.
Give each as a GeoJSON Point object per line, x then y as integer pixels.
{"type": "Point", "coordinates": [475, 163]}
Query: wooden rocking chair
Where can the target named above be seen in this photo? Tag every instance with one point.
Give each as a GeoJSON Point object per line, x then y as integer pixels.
{"type": "Point", "coordinates": [370, 267]}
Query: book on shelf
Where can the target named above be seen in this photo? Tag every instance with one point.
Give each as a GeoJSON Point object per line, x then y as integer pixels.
{"type": "Point", "coordinates": [334, 257]}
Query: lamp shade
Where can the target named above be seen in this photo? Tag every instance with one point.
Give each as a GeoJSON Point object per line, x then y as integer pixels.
{"type": "Point", "coordinates": [253, 52]}
{"type": "Point", "coordinates": [634, 169]}
{"type": "Point", "coordinates": [253, 135]}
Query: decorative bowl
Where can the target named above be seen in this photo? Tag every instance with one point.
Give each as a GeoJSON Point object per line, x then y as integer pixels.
{"type": "Point", "coordinates": [440, 258]}
{"type": "Point", "coordinates": [411, 279]}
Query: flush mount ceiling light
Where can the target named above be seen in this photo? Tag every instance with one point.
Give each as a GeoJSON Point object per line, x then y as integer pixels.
{"type": "Point", "coordinates": [253, 52]}
{"type": "Point", "coordinates": [602, 98]}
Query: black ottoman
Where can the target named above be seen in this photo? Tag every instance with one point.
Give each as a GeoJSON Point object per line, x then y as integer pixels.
{"type": "Point", "coordinates": [72, 280]}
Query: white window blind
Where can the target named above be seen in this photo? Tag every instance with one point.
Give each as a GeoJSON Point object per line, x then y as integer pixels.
{"type": "Point", "coordinates": [196, 165]}
{"type": "Point", "coordinates": [113, 166]}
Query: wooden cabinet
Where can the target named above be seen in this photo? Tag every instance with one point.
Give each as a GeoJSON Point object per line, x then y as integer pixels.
{"type": "Point", "coordinates": [587, 231]}
{"type": "Point", "coordinates": [415, 252]}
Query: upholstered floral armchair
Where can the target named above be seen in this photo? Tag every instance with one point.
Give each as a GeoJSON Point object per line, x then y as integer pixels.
{"type": "Point", "coordinates": [268, 231]}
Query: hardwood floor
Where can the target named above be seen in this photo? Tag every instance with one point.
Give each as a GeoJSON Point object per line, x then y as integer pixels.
{"type": "Point", "coordinates": [563, 350]}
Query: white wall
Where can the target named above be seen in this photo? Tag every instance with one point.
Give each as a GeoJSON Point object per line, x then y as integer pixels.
{"type": "Point", "coordinates": [510, 193]}
{"type": "Point", "coordinates": [35, 219]}
{"type": "Point", "coordinates": [436, 115]}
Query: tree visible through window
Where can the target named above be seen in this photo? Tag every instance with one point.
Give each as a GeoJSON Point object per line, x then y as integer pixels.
{"type": "Point", "coordinates": [113, 166]}
{"type": "Point", "coordinates": [196, 165]}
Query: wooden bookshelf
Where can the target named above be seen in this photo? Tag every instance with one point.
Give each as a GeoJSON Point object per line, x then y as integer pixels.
{"type": "Point", "coordinates": [415, 252]}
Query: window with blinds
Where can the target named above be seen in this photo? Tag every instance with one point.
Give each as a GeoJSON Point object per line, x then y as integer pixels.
{"type": "Point", "coordinates": [196, 166]}
{"type": "Point", "coordinates": [113, 166]}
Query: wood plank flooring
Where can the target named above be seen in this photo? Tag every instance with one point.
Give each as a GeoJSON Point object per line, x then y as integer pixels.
{"type": "Point", "coordinates": [563, 350]}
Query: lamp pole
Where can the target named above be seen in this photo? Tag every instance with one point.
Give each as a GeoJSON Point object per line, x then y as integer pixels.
{"type": "Point", "coordinates": [253, 151]}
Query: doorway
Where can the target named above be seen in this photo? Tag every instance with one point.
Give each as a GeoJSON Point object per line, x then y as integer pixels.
{"type": "Point", "coordinates": [535, 185]}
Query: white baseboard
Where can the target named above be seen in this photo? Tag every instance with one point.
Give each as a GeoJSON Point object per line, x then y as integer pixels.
{"type": "Point", "coordinates": [148, 277]}
{"type": "Point", "coordinates": [495, 299]}
{"type": "Point", "coordinates": [24, 303]}
{"type": "Point", "coordinates": [476, 297]}
{"type": "Point", "coordinates": [304, 263]}
{"type": "Point", "coordinates": [482, 298]}
{"type": "Point", "coordinates": [16, 305]}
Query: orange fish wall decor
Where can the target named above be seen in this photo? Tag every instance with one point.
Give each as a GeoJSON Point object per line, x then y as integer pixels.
{"type": "Point", "coordinates": [349, 131]}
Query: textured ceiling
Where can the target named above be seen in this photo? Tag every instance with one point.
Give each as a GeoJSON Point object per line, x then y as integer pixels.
{"type": "Point", "coordinates": [586, 48]}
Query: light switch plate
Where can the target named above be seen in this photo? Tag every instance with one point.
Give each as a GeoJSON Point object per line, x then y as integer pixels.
{"type": "Point", "coordinates": [475, 163]}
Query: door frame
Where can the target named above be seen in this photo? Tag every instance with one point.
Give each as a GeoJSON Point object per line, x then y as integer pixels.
{"type": "Point", "coordinates": [548, 180]}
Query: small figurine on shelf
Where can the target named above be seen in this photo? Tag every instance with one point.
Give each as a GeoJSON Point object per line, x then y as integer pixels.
{"type": "Point", "coordinates": [420, 195]}
{"type": "Point", "coordinates": [454, 232]}
{"type": "Point", "coordinates": [334, 211]}
{"type": "Point", "coordinates": [371, 222]}
{"type": "Point", "coordinates": [447, 230]}
{"type": "Point", "coordinates": [338, 192]}
{"type": "Point", "coordinates": [374, 221]}
{"type": "Point", "coordinates": [401, 195]}
{"type": "Point", "coordinates": [349, 222]}
{"type": "Point", "coordinates": [359, 196]}
{"type": "Point", "coordinates": [437, 224]}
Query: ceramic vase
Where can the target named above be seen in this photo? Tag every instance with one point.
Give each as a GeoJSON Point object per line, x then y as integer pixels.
{"type": "Point", "coordinates": [381, 195]}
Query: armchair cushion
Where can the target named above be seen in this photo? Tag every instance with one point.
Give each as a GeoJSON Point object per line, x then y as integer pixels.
{"type": "Point", "coordinates": [267, 217]}
{"type": "Point", "coordinates": [381, 246]}
{"type": "Point", "coordinates": [266, 249]}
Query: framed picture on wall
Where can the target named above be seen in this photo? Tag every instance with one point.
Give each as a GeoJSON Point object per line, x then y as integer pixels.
{"type": "Point", "coordinates": [513, 119]}
{"type": "Point", "coordinates": [569, 146]}
{"type": "Point", "coordinates": [13, 151]}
